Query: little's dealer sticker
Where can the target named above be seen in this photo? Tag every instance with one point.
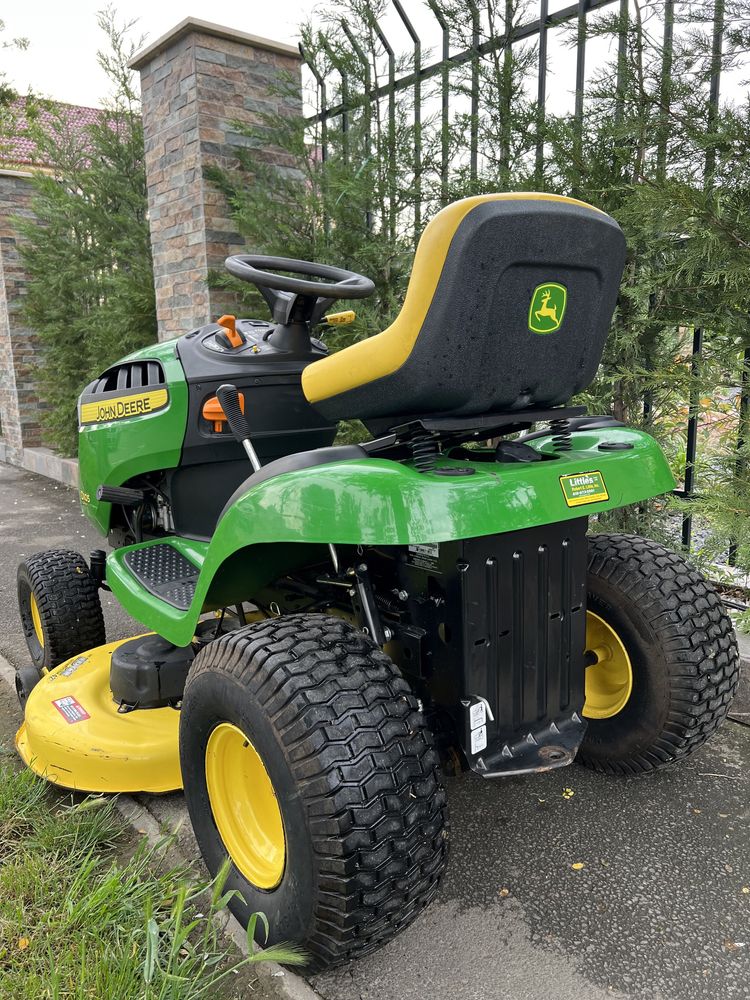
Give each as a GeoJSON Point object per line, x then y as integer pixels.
{"type": "Point", "coordinates": [584, 487]}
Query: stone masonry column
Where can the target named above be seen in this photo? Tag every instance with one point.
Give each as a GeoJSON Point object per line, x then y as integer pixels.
{"type": "Point", "coordinates": [195, 81]}
{"type": "Point", "coordinates": [19, 400]}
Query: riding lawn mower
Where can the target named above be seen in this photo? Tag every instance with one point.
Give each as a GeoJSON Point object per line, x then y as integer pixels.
{"type": "Point", "coordinates": [330, 628]}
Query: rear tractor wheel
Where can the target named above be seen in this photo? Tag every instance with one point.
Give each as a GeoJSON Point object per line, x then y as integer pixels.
{"type": "Point", "coordinates": [662, 657]}
{"type": "Point", "coordinates": [61, 613]}
{"type": "Point", "coordinates": [306, 760]}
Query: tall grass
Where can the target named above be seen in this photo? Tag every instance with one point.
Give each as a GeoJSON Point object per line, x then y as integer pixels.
{"type": "Point", "coordinates": [79, 923]}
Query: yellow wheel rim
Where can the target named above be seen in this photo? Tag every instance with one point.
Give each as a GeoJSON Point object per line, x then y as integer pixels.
{"type": "Point", "coordinates": [36, 619]}
{"type": "Point", "coordinates": [609, 681]}
{"type": "Point", "coordinates": [245, 808]}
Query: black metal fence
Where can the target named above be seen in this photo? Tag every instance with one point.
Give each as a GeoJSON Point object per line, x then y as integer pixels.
{"type": "Point", "coordinates": [334, 99]}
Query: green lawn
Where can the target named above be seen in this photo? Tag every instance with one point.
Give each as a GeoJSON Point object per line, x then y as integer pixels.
{"type": "Point", "coordinates": [80, 919]}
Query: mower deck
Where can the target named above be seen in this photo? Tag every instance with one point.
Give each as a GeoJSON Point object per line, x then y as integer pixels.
{"type": "Point", "coordinates": [75, 736]}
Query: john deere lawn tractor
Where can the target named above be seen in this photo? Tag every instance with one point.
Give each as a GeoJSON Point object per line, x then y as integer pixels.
{"type": "Point", "coordinates": [327, 628]}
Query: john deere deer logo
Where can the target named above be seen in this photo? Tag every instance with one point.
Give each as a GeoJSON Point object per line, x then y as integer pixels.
{"type": "Point", "coordinates": [547, 307]}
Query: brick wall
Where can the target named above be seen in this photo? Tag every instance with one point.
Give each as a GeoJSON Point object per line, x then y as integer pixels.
{"type": "Point", "coordinates": [19, 402]}
{"type": "Point", "coordinates": [195, 81]}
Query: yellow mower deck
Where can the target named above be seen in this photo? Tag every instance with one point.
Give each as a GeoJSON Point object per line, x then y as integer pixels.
{"type": "Point", "coordinates": [74, 736]}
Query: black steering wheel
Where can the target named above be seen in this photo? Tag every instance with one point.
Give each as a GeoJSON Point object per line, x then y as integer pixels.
{"type": "Point", "coordinates": [296, 303]}
{"type": "Point", "coordinates": [257, 269]}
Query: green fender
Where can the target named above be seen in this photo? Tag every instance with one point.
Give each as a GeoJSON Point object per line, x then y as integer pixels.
{"type": "Point", "coordinates": [269, 530]}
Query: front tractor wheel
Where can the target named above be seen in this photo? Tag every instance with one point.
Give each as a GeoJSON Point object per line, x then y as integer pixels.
{"type": "Point", "coordinates": [306, 761]}
{"type": "Point", "coordinates": [662, 659]}
{"type": "Point", "coordinates": [58, 600]}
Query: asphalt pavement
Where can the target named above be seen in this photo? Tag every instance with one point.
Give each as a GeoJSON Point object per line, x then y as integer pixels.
{"type": "Point", "coordinates": [563, 886]}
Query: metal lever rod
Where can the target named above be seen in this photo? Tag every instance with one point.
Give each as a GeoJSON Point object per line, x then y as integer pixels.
{"type": "Point", "coordinates": [229, 397]}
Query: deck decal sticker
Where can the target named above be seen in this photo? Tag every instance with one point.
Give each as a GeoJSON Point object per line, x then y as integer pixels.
{"type": "Point", "coordinates": [71, 709]}
{"type": "Point", "coordinates": [478, 739]}
{"type": "Point", "coordinates": [584, 487]}
{"type": "Point", "coordinates": [425, 556]}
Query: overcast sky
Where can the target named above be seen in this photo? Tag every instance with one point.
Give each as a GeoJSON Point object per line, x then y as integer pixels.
{"type": "Point", "coordinates": [63, 37]}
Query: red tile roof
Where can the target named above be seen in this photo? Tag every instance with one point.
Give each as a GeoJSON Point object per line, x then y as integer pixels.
{"type": "Point", "coordinates": [21, 150]}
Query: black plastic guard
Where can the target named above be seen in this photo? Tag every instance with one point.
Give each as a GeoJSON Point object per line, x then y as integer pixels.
{"type": "Point", "coordinates": [523, 631]}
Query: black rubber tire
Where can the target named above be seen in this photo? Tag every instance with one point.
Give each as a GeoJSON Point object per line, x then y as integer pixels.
{"type": "Point", "coordinates": [682, 648]}
{"type": "Point", "coordinates": [70, 611]}
{"type": "Point", "coordinates": [355, 772]}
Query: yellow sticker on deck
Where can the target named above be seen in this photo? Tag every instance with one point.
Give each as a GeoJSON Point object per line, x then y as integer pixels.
{"type": "Point", "coordinates": [583, 487]}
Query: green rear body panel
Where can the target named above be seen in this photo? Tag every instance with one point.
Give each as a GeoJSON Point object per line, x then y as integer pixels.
{"type": "Point", "coordinates": [113, 452]}
{"type": "Point", "coordinates": [289, 519]}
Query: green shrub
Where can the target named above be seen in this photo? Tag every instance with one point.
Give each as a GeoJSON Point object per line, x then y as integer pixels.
{"type": "Point", "coordinates": [88, 253]}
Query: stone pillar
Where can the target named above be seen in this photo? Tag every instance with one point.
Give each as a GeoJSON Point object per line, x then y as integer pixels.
{"type": "Point", "coordinates": [195, 81]}
{"type": "Point", "coordinates": [19, 401]}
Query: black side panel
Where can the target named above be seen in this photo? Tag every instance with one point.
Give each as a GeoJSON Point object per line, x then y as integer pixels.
{"type": "Point", "coordinates": [524, 627]}
{"type": "Point", "coordinates": [499, 621]}
{"type": "Point", "coordinates": [199, 493]}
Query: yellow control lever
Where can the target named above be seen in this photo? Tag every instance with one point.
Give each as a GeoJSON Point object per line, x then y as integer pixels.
{"type": "Point", "coordinates": [341, 319]}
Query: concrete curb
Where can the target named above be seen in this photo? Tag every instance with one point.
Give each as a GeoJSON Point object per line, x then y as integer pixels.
{"type": "Point", "coordinates": [44, 462]}
{"type": "Point", "coordinates": [740, 710]}
{"type": "Point", "coordinates": [285, 982]}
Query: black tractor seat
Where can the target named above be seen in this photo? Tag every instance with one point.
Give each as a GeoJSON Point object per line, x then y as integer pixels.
{"type": "Point", "coordinates": [508, 307]}
{"type": "Point", "coordinates": [294, 463]}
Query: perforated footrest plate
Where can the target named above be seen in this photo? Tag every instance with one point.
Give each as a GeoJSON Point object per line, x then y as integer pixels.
{"type": "Point", "coordinates": [164, 572]}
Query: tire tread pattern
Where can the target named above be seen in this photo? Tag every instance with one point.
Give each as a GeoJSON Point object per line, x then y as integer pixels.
{"type": "Point", "coordinates": [687, 616]}
{"type": "Point", "coordinates": [69, 606]}
{"type": "Point", "coordinates": [364, 761]}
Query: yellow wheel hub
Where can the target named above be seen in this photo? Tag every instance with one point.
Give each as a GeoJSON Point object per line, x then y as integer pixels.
{"type": "Point", "coordinates": [609, 681]}
{"type": "Point", "coordinates": [245, 808]}
{"type": "Point", "coordinates": [36, 619]}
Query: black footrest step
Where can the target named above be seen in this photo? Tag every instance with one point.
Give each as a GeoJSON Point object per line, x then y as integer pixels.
{"type": "Point", "coordinates": [164, 572]}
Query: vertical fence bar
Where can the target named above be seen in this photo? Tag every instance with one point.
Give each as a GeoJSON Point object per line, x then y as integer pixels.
{"type": "Point", "coordinates": [691, 448]}
{"type": "Point", "coordinates": [366, 105]}
{"type": "Point", "coordinates": [444, 100]}
{"type": "Point", "coordinates": [541, 92]}
{"type": "Point", "coordinates": [665, 88]}
{"type": "Point", "coordinates": [622, 58]}
{"type": "Point", "coordinates": [710, 166]}
{"type": "Point", "coordinates": [321, 85]}
{"type": "Point", "coordinates": [474, 136]}
{"type": "Point", "coordinates": [741, 460]}
{"type": "Point", "coordinates": [391, 128]}
{"type": "Point", "coordinates": [344, 98]}
{"type": "Point", "coordinates": [507, 95]}
{"type": "Point", "coordinates": [715, 85]}
{"type": "Point", "coordinates": [417, 116]}
{"type": "Point", "coordinates": [580, 83]}
{"type": "Point", "coordinates": [345, 116]}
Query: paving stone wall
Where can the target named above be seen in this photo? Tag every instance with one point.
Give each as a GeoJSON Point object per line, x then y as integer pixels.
{"type": "Point", "coordinates": [19, 401]}
{"type": "Point", "coordinates": [195, 82]}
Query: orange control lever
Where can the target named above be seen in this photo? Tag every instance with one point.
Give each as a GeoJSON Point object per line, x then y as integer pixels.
{"type": "Point", "coordinates": [230, 328]}
{"type": "Point", "coordinates": [213, 412]}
